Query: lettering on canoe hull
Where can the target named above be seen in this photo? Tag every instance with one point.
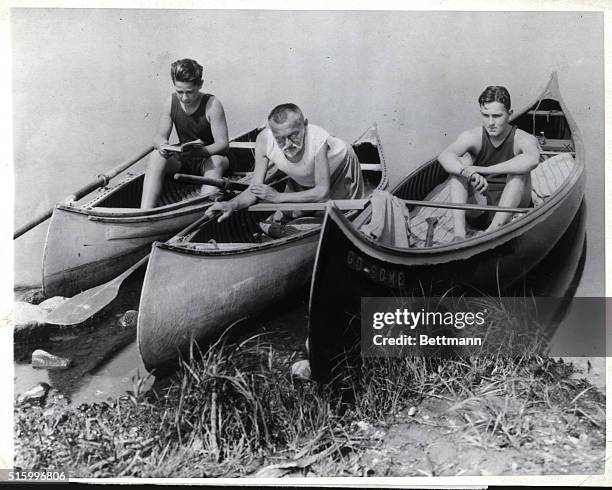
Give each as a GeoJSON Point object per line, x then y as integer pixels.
{"type": "Point", "coordinates": [376, 273]}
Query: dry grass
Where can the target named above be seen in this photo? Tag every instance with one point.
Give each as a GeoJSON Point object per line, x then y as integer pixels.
{"type": "Point", "coordinates": [234, 409]}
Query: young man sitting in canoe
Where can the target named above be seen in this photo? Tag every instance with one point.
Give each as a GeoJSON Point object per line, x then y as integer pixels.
{"type": "Point", "coordinates": [320, 166]}
{"type": "Point", "coordinates": [497, 149]}
{"type": "Point", "coordinates": [197, 117]}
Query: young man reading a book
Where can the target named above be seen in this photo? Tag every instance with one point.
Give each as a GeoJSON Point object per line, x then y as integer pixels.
{"type": "Point", "coordinates": [199, 120]}
{"type": "Point", "coordinates": [320, 166]}
{"type": "Point", "coordinates": [479, 155]}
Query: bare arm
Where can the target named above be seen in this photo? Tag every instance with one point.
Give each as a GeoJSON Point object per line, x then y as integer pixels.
{"type": "Point", "coordinates": [164, 128]}
{"type": "Point", "coordinates": [450, 158]}
{"type": "Point", "coordinates": [218, 127]}
{"type": "Point", "coordinates": [527, 159]}
{"type": "Point", "coordinates": [246, 197]}
{"type": "Point", "coordinates": [319, 193]}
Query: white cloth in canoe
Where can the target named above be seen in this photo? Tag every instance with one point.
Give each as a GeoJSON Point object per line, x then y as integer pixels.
{"type": "Point", "coordinates": [389, 222]}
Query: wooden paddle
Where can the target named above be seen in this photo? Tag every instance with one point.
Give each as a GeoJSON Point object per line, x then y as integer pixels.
{"type": "Point", "coordinates": [86, 304]}
{"type": "Point", "coordinates": [346, 204]}
{"type": "Point", "coordinates": [100, 181]}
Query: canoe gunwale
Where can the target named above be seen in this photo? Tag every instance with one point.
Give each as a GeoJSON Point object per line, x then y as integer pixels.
{"type": "Point", "coordinates": [473, 245]}
{"type": "Point", "coordinates": [183, 210]}
{"type": "Point", "coordinates": [496, 237]}
{"type": "Point", "coordinates": [448, 253]}
{"type": "Point", "coordinates": [90, 209]}
{"type": "Point", "coordinates": [137, 215]}
{"type": "Point", "coordinates": [248, 248]}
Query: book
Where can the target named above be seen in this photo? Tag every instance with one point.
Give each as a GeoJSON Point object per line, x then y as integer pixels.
{"type": "Point", "coordinates": [190, 145]}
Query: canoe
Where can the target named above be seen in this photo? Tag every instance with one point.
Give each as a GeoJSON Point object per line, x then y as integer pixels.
{"type": "Point", "coordinates": [198, 285]}
{"type": "Point", "coordinates": [90, 243]}
{"type": "Point", "coordinates": [350, 266]}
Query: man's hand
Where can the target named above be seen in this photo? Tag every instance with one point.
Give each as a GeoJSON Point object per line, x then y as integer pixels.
{"type": "Point", "coordinates": [265, 193]}
{"type": "Point", "coordinates": [476, 180]}
{"type": "Point", "coordinates": [479, 183]}
{"type": "Point", "coordinates": [162, 151]}
{"type": "Point", "coordinates": [223, 207]}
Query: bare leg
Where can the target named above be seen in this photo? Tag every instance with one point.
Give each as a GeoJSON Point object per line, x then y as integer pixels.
{"type": "Point", "coordinates": [157, 168]}
{"type": "Point", "coordinates": [516, 193]}
{"type": "Point", "coordinates": [214, 167]}
{"type": "Point", "coordinates": [459, 195]}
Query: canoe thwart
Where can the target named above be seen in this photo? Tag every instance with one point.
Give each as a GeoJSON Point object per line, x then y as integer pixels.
{"type": "Point", "coordinates": [242, 144]}
{"type": "Point", "coordinates": [371, 166]}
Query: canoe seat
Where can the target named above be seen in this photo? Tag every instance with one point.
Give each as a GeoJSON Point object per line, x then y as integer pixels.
{"type": "Point", "coordinates": [546, 178]}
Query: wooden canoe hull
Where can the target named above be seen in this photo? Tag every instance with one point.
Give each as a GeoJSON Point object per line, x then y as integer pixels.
{"type": "Point", "coordinates": [229, 287]}
{"type": "Point", "coordinates": [347, 268]}
{"type": "Point", "coordinates": [194, 290]}
{"type": "Point", "coordinates": [91, 243]}
{"type": "Point", "coordinates": [350, 266]}
{"type": "Point", "coordinates": [83, 251]}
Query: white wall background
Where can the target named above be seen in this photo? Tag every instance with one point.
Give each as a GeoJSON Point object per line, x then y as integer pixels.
{"type": "Point", "coordinates": [88, 86]}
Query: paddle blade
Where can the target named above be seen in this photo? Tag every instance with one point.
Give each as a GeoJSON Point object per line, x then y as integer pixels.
{"type": "Point", "coordinates": [87, 303]}
{"type": "Point", "coordinates": [84, 305]}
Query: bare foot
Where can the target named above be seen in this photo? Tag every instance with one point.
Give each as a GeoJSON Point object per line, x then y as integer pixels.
{"type": "Point", "coordinates": [492, 228]}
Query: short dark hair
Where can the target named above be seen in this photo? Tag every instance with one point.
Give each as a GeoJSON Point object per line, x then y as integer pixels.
{"type": "Point", "coordinates": [186, 70]}
{"type": "Point", "coordinates": [280, 113]}
{"type": "Point", "coordinates": [495, 93]}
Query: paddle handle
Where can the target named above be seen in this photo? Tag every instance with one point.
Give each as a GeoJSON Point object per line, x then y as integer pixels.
{"type": "Point", "coordinates": [202, 220]}
{"type": "Point", "coordinates": [224, 184]}
{"type": "Point", "coordinates": [100, 181]}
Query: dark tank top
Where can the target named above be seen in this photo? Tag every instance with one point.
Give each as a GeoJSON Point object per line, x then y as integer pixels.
{"type": "Point", "coordinates": [194, 126]}
{"type": "Point", "coordinates": [490, 155]}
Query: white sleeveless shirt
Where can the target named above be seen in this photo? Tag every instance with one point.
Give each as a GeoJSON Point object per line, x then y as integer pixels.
{"type": "Point", "coordinates": [303, 172]}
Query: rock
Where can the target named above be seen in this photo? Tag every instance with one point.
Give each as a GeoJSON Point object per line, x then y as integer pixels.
{"type": "Point", "coordinates": [35, 395]}
{"type": "Point", "coordinates": [50, 304]}
{"type": "Point", "coordinates": [56, 405]}
{"type": "Point", "coordinates": [44, 360]}
{"type": "Point", "coordinates": [364, 426]}
{"type": "Point", "coordinates": [301, 369]}
{"type": "Point", "coordinates": [272, 471]}
{"type": "Point", "coordinates": [34, 296]}
{"type": "Point", "coordinates": [129, 319]}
